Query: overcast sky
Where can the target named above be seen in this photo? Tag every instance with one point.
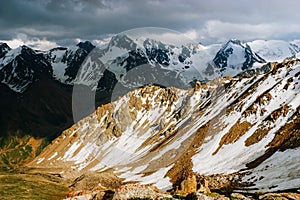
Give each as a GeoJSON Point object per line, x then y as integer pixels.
{"type": "Point", "coordinates": [46, 23]}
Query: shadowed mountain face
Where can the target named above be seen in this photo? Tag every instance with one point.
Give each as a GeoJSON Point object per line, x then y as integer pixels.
{"type": "Point", "coordinates": [4, 48]}
{"type": "Point", "coordinates": [32, 100]}
{"type": "Point", "coordinates": [38, 111]}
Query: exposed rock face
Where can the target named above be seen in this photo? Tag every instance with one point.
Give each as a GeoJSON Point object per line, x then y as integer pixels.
{"type": "Point", "coordinates": [130, 191]}
{"type": "Point", "coordinates": [4, 48]}
{"type": "Point", "coordinates": [199, 196]}
{"type": "Point", "coordinates": [247, 125]}
{"type": "Point", "coordinates": [189, 185]}
{"type": "Point", "coordinates": [240, 197]}
{"type": "Point", "coordinates": [204, 188]}
{"type": "Point", "coordinates": [280, 196]}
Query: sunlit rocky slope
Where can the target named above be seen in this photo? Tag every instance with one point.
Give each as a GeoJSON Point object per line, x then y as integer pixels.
{"type": "Point", "coordinates": [247, 126]}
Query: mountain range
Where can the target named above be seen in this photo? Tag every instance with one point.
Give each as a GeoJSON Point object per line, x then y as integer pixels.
{"type": "Point", "coordinates": [25, 73]}
{"type": "Point", "coordinates": [154, 112]}
{"type": "Point", "coordinates": [23, 66]}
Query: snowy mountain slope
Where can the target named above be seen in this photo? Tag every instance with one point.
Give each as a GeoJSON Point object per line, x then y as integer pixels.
{"type": "Point", "coordinates": [274, 50]}
{"type": "Point", "coordinates": [279, 172]}
{"type": "Point", "coordinates": [115, 68]}
{"type": "Point", "coordinates": [66, 62]}
{"type": "Point", "coordinates": [22, 66]}
{"type": "Point", "coordinates": [159, 135]}
{"type": "Point", "coordinates": [59, 67]}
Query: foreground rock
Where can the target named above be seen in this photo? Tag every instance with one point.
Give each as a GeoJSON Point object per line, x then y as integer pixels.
{"type": "Point", "coordinates": [200, 196]}
{"type": "Point", "coordinates": [131, 191]}
{"type": "Point", "coordinates": [128, 191]}
{"type": "Point", "coordinates": [239, 196]}
{"type": "Point", "coordinates": [280, 196]}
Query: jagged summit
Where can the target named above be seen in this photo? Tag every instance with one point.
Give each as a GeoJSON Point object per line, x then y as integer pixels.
{"type": "Point", "coordinates": [122, 41]}
{"type": "Point", "coordinates": [4, 48]}
{"type": "Point", "coordinates": [21, 67]}
{"type": "Point", "coordinates": [86, 45]}
{"type": "Point", "coordinates": [236, 41]}
{"type": "Point", "coordinates": [3, 43]}
{"type": "Point", "coordinates": [58, 48]}
{"type": "Point", "coordinates": [236, 55]}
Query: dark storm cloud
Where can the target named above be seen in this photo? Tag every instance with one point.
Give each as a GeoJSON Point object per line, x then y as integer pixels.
{"type": "Point", "coordinates": [63, 20]}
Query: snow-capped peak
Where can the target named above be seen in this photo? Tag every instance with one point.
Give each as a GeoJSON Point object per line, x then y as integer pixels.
{"type": "Point", "coordinates": [10, 55]}
{"type": "Point", "coordinates": [86, 45]}
{"type": "Point", "coordinates": [122, 41]}
{"type": "Point", "coordinates": [235, 41]}
{"type": "Point", "coordinates": [274, 50]}
{"type": "Point", "coordinates": [236, 56]}
{"type": "Point", "coordinates": [67, 61]}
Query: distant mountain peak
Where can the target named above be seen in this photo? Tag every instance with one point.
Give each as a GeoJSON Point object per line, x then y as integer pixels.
{"type": "Point", "coordinates": [3, 44]}
{"type": "Point", "coordinates": [87, 45]}
{"type": "Point", "coordinates": [4, 48]}
{"type": "Point", "coordinates": [27, 49]}
{"type": "Point", "coordinates": [236, 54]}
{"type": "Point", "coordinates": [122, 41]}
{"type": "Point", "coordinates": [121, 37]}
{"type": "Point", "coordinates": [58, 49]}
{"type": "Point", "coordinates": [236, 41]}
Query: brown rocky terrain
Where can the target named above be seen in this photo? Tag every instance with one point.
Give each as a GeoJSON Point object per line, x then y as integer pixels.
{"type": "Point", "coordinates": [232, 133]}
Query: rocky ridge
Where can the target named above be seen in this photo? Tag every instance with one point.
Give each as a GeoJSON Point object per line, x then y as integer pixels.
{"type": "Point", "coordinates": [247, 126]}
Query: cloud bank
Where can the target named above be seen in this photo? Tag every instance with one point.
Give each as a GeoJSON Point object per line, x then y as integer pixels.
{"type": "Point", "coordinates": [50, 22]}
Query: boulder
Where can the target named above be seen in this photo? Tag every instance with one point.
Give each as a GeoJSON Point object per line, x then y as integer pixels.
{"type": "Point", "coordinates": [200, 196]}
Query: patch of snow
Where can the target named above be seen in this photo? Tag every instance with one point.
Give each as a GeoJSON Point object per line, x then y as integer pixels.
{"type": "Point", "coordinates": [69, 154]}
{"type": "Point", "coordinates": [279, 172]}
{"type": "Point", "coordinates": [40, 160]}
{"type": "Point", "coordinates": [59, 70]}
{"type": "Point", "coordinates": [10, 56]}
{"type": "Point", "coordinates": [53, 156]}
{"type": "Point", "coordinates": [159, 179]}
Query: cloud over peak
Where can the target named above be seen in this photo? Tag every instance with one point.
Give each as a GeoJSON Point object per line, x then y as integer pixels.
{"type": "Point", "coordinates": [206, 21]}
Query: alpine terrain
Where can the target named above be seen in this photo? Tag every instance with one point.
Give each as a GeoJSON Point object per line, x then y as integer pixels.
{"type": "Point", "coordinates": [151, 119]}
